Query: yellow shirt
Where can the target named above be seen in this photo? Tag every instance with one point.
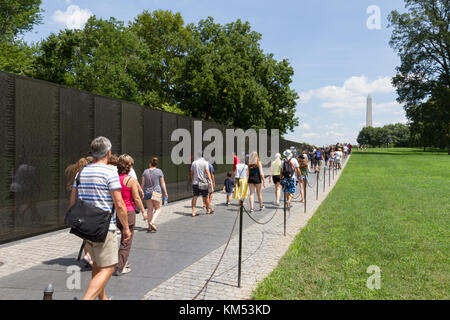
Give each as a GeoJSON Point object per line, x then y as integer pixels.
{"type": "Point", "coordinates": [276, 167]}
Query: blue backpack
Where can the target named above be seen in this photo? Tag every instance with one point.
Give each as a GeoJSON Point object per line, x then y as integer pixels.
{"type": "Point", "coordinates": [318, 155]}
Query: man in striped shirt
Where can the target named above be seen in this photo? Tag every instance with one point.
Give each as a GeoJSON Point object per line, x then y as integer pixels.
{"type": "Point", "coordinates": [100, 185]}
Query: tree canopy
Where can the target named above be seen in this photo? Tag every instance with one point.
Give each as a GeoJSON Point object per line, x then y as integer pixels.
{"type": "Point", "coordinates": [206, 70]}
{"type": "Point", "coordinates": [17, 17]}
{"type": "Point", "coordinates": [421, 38]}
{"type": "Point", "coordinates": [397, 135]}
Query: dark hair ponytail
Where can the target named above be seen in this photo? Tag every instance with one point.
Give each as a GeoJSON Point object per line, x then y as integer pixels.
{"type": "Point", "coordinates": [154, 162]}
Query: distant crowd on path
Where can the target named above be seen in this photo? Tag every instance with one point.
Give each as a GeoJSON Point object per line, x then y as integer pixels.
{"type": "Point", "coordinates": [109, 182]}
{"type": "Point", "coordinates": [330, 156]}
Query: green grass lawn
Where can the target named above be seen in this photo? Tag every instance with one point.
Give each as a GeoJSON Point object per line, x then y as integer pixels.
{"type": "Point", "coordinates": [390, 208]}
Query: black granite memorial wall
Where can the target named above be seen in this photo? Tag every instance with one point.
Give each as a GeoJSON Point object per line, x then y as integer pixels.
{"type": "Point", "coordinates": [45, 127]}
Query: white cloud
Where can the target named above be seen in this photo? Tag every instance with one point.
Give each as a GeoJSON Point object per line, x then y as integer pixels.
{"type": "Point", "coordinates": [392, 108]}
{"type": "Point", "coordinates": [308, 135]}
{"type": "Point", "coordinates": [73, 18]}
{"type": "Point", "coordinates": [304, 125]}
{"type": "Point", "coordinates": [332, 126]}
{"type": "Point", "coordinates": [352, 95]}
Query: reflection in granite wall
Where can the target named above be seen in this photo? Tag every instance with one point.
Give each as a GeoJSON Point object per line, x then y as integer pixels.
{"type": "Point", "coordinates": [44, 128]}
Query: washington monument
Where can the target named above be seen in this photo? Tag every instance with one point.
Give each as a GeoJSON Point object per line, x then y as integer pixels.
{"type": "Point", "coordinates": [369, 111]}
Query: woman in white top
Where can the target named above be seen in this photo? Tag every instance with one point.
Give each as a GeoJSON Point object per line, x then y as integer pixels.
{"type": "Point", "coordinates": [275, 175]}
{"type": "Point", "coordinates": [241, 181]}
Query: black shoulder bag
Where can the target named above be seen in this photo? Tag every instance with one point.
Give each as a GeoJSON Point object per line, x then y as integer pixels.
{"type": "Point", "coordinates": [87, 221]}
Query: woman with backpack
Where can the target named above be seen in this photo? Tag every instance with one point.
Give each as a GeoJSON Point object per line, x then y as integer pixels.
{"type": "Point", "coordinates": [318, 155]}
{"type": "Point", "coordinates": [275, 175]}
{"type": "Point", "coordinates": [289, 168]}
{"type": "Point", "coordinates": [255, 178]}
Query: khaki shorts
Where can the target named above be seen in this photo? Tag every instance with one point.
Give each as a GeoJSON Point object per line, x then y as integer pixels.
{"type": "Point", "coordinates": [104, 254]}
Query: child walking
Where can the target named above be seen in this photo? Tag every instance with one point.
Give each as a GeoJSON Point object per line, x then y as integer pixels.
{"type": "Point", "coordinates": [228, 187]}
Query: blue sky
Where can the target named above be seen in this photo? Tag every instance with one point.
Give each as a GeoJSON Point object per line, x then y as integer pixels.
{"type": "Point", "coordinates": [337, 59]}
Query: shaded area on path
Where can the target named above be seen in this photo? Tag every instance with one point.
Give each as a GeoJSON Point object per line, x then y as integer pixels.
{"type": "Point", "coordinates": [154, 258]}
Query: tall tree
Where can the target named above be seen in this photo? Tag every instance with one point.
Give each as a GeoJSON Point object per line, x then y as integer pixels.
{"type": "Point", "coordinates": [16, 18]}
{"type": "Point", "coordinates": [168, 40]}
{"type": "Point", "coordinates": [422, 39]}
{"type": "Point", "coordinates": [427, 127]}
{"type": "Point", "coordinates": [228, 79]}
{"type": "Point", "coordinates": [104, 58]}
{"type": "Point", "coordinates": [17, 57]}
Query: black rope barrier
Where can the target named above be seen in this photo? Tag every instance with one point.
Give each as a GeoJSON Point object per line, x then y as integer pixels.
{"type": "Point", "coordinates": [309, 185]}
{"type": "Point", "coordinates": [258, 222]}
{"type": "Point", "coordinates": [299, 188]}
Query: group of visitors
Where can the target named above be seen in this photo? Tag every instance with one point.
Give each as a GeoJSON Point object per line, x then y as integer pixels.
{"type": "Point", "coordinates": [109, 182]}
{"type": "Point", "coordinates": [330, 156]}
{"type": "Point", "coordinates": [249, 178]}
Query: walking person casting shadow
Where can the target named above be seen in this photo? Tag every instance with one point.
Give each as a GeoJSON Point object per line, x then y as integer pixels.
{"type": "Point", "coordinates": [132, 199]}
{"type": "Point", "coordinates": [255, 179]}
{"type": "Point", "coordinates": [202, 183]}
{"type": "Point", "coordinates": [275, 176]}
{"type": "Point", "coordinates": [98, 186]}
{"type": "Point", "coordinates": [153, 184]}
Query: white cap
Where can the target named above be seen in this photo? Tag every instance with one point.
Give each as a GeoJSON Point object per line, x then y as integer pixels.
{"type": "Point", "coordinates": [287, 153]}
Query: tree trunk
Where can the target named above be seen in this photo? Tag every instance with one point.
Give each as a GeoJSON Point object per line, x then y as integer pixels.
{"type": "Point", "coordinates": [424, 149]}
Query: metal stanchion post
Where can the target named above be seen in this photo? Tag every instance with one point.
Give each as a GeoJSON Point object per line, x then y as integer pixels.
{"type": "Point", "coordinates": [284, 192]}
{"type": "Point", "coordinates": [48, 292]}
{"type": "Point", "coordinates": [324, 172]}
{"type": "Point", "coordinates": [306, 185]}
{"type": "Point", "coordinates": [329, 177]}
{"type": "Point", "coordinates": [317, 185]}
{"type": "Point", "coordinates": [241, 214]}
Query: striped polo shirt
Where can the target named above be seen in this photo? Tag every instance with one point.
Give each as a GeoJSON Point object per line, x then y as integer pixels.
{"type": "Point", "coordinates": [96, 182]}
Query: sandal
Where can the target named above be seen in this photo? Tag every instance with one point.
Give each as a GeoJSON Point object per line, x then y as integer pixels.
{"type": "Point", "coordinates": [118, 273]}
{"type": "Point", "coordinates": [152, 225]}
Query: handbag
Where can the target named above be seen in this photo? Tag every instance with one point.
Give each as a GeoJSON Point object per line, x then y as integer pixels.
{"type": "Point", "coordinates": [240, 174]}
{"type": "Point", "coordinates": [156, 196]}
{"type": "Point", "coordinates": [88, 221]}
{"type": "Point", "coordinates": [203, 185]}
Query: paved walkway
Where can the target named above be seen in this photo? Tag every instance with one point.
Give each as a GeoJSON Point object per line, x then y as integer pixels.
{"type": "Point", "coordinates": [173, 263]}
